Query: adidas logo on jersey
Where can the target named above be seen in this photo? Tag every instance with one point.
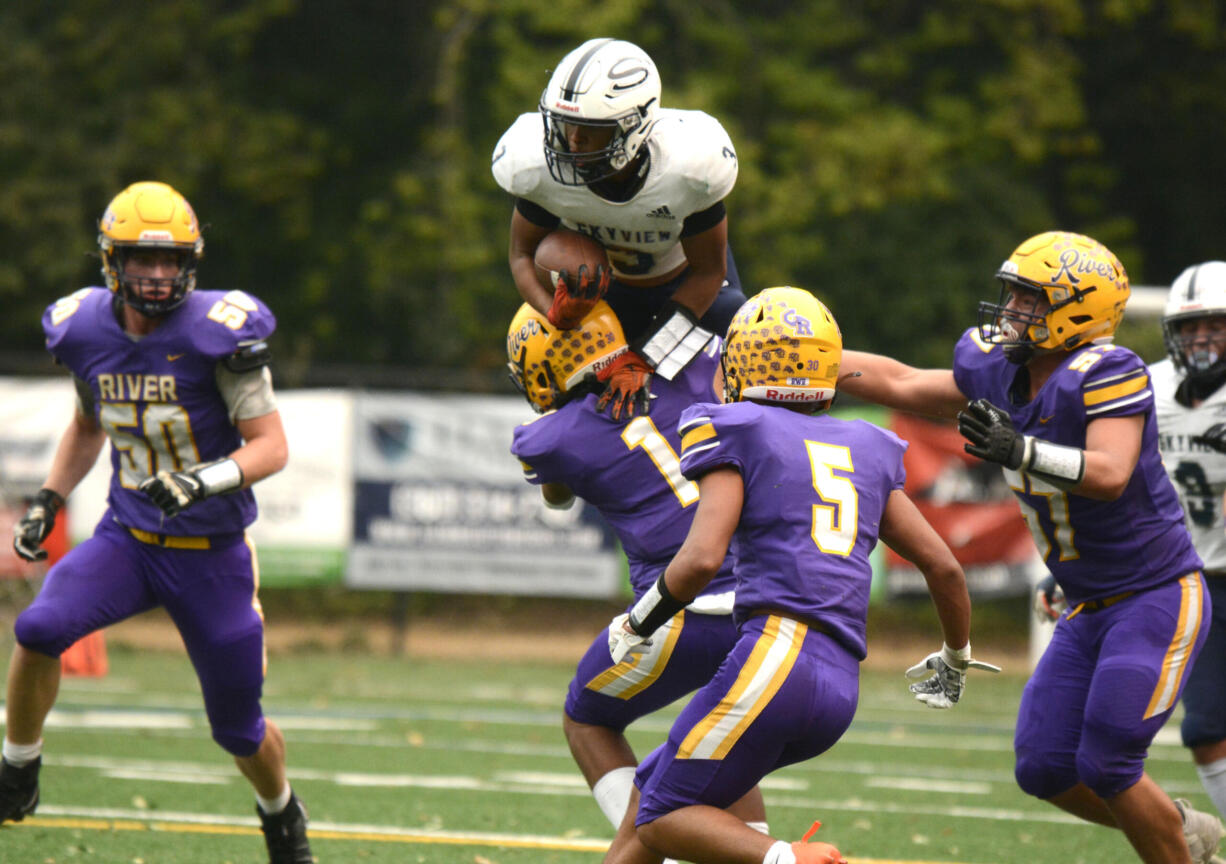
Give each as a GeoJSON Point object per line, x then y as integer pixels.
{"type": "Point", "coordinates": [662, 212]}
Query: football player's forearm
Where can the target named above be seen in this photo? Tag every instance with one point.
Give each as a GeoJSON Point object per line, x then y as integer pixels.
{"type": "Point", "coordinates": [1105, 477]}
{"type": "Point", "coordinates": [690, 571]}
{"type": "Point", "coordinates": [523, 272]}
{"type": "Point", "coordinates": [76, 454]}
{"type": "Point", "coordinates": [896, 385]}
{"type": "Point", "coordinates": [947, 586]}
{"type": "Point", "coordinates": [265, 451]}
{"type": "Point", "coordinates": [698, 291]}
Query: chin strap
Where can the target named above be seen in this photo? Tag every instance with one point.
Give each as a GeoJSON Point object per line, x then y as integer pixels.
{"type": "Point", "coordinates": [672, 340]}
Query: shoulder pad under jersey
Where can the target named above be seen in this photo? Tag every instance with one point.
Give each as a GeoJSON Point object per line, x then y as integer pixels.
{"type": "Point", "coordinates": [518, 162]}
{"type": "Point", "coordinates": [69, 323]}
{"type": "Point", "coordinates": [699, 150]}
{"type": "Point", "coordinates": [222, 323]}
{"type": "Point", "coordinates": [1114, 381]}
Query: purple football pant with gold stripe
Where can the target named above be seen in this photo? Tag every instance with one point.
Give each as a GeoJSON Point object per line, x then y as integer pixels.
{"type": "Point", "coordinates": [786, 693]}
{"type": "Point", "coordinates": [1104, 687]}
{"type": "Point", "coordinates": [685, 654]}
{"type": "Point", "coordinates": [210, 594]}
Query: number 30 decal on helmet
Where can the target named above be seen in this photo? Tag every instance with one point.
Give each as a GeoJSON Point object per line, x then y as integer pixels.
{"type": "Point", "coordinates": [611, 91]}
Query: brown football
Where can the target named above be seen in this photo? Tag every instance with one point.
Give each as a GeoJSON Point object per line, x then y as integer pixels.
{"type": "Point", "coordinates": [567, 250]}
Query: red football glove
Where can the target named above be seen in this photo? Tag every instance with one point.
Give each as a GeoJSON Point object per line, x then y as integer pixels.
{"type": "Point", "coordinates": [571, 307]}
{"type": "Point", "coordinates": [627, 386]}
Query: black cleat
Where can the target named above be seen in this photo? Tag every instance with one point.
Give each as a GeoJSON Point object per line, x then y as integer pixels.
{"type": "Point", "coordinates": [18, 790]}
{"type": "Point", "coordinates": [285, 834]}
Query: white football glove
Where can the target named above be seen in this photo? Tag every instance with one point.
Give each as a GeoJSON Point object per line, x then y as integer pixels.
{"type": "Point", "coordinates": [623, 640]}
{"type": "Point", "coordinates": [1049, 600]}
{"type": "Point", "coordinates": [942, 676]}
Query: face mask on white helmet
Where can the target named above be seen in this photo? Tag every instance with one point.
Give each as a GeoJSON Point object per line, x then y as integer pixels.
{"type": "Point", "coordinates": [1198, 293]}
{"type": "Point", "coordinates": [598, 109]}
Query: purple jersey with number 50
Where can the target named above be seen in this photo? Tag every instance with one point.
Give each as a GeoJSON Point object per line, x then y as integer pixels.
{"type": "Point", "coordinates": [815, 491]}
{"type": "Point", "coordinates": [1095, 549]}
{"type": "Point", "coordinates": [157, 397]}
{"type": "Point", "coordinates": [628, 471]}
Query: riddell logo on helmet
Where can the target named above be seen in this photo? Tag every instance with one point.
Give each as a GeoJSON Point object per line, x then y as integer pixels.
{"type": "Point", "coordinates": [790, 396]}
{"type": "Point", "coordinates": [608, 359]}
{"type": "Point", "coordinates": [566, 106]}
{"type": "Point", "coordinates": [157, 236]}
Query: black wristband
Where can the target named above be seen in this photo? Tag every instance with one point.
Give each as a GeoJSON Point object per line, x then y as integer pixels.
{"type": "Point", "coordinates": [655, 607]}
{"type": "Point", "coordinates": [51, 500]}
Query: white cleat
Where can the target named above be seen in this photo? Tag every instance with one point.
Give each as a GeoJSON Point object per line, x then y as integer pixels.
{"type": "Point", "coordinates": [1203, 831]}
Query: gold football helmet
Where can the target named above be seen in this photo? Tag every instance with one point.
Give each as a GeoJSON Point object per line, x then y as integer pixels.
{"type": "Point", "coordinates": [1079, 289]}
{"type": "Point", "coordinates": [783, 346]}
{"type": "Point", "coordinates": [150, 216]}
{"type": "Point", "coordinates": [551, 366]}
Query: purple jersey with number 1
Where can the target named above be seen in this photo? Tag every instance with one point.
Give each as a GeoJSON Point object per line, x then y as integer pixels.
{"type": "Point", "coordinates": [628, 471]}
{"type": "Point", "coordinates": [1095, 549]}
{"type": "Point", "coordinates": [157, 397]}
{"type": "Point", "coordinates": [631, 473]}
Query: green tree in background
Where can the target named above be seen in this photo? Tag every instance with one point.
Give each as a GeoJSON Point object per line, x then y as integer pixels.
{"type": "Point", "coordinates": [891, 153]}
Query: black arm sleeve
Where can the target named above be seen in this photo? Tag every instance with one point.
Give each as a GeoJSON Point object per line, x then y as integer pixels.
{"type": "Point", "coordinates": [536, 214]}
{"type": "Point", "coordinates": [249, 357]}
{"type": "Point", "coordinates": [698, 222]}
{"type": "Point", "coordinates": [84, 395]}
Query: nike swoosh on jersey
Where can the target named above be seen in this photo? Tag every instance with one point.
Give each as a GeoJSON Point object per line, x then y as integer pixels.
{"type": "Point", "coordinates": [173, 357]}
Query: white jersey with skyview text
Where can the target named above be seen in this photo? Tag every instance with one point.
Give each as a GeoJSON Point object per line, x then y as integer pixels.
{"type": "Point", "coordinates": [693, 167]}
{"type": "Point", "coordinates": [1197, 470]}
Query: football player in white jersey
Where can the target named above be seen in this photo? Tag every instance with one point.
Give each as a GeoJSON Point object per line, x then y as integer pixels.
{"type": "Point", "coordinates": [647, 182]}
{"type": "Point", "coordinates": [1190, 400]}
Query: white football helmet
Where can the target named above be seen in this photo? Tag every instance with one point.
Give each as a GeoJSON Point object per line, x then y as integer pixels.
{"type": "Point", "coordinates": [607, 84]}
{"type": "Point", "coordinates": [1198, 292]}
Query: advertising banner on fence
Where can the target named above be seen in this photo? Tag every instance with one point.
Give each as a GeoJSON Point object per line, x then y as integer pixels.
{"type": "Point", "coordinates": [305, 510]}
{"type": "Point", "coordinates": [971, 507]}
{"type": "Point", "coordinates": [440, 504]}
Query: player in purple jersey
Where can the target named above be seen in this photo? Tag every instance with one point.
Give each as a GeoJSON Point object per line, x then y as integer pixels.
{"type": "Point", "coordinates": [1070, 417]}
{"type": "Point", "coordinates": [649, 184]}
{"type": "Point", "coordinates": [801, 498]}
{"type": "Point", "coordinates": [630, 472]}
{"type": "Point", "coordinates": [178, 380]}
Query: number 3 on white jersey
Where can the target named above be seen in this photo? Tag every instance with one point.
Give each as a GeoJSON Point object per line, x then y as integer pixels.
{"type": "Point", "coordinates": [835, 522]}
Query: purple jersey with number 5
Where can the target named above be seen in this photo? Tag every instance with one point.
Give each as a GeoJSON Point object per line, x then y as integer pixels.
{"type": "Point", "coordinates": [157, 397]}
{"type": "Point", "coordinates": [1095, 549]}
{"type": "Point", "coordinates": [815, 491]}
{"type": "Point", "coordinates": [628, 471]}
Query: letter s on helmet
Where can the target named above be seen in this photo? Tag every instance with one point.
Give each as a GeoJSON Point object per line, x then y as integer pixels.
{"type": "Point", "coordinates": [607, 84]}
{"type": "Point", "coordinates": [784, 346]}
{"type": "Point", "coordinates": [150, 215]}
{"type": "Point", "coordinates": [551, 366]}
{"type": "Point", "coordinates": [1082, 280]}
